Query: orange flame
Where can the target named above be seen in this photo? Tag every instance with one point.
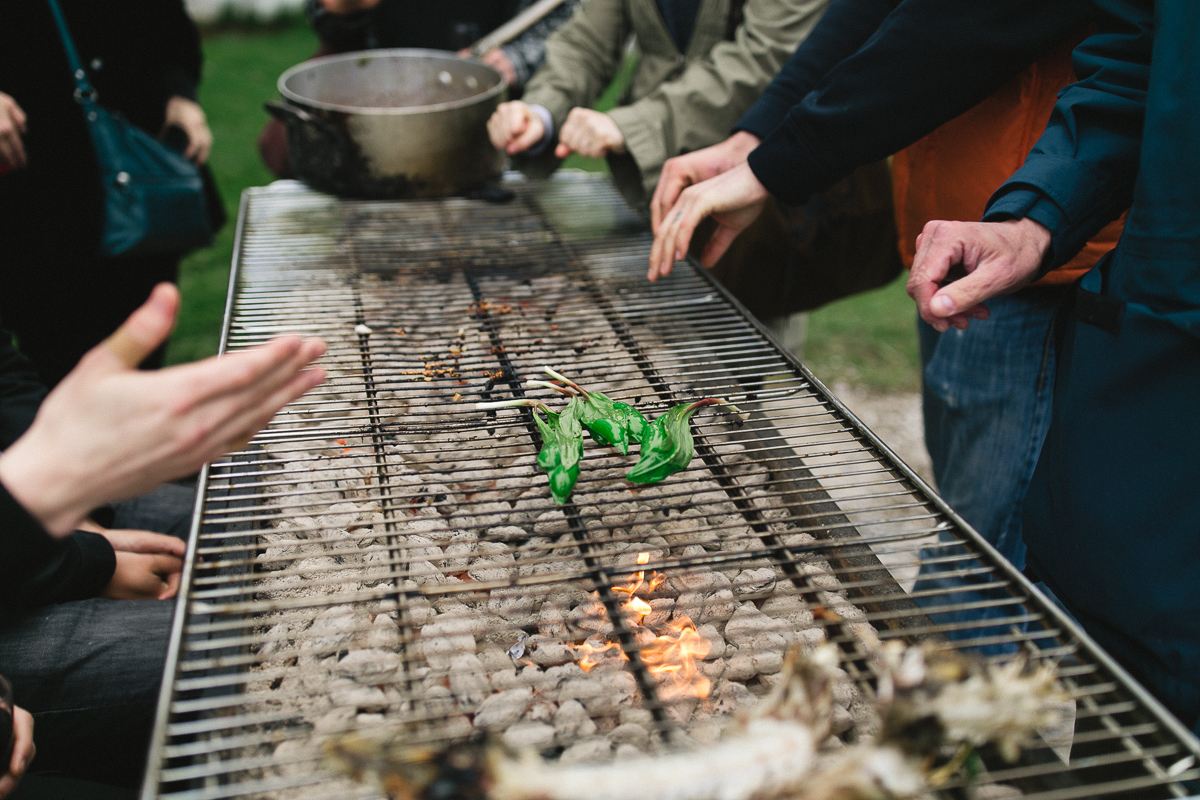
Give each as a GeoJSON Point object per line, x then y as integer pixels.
{"type": "Point", "coordinates": [672, 657]}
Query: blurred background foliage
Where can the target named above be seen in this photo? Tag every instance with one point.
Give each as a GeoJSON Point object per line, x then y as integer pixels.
{"type": "Point", "coordinates": [868, 340]}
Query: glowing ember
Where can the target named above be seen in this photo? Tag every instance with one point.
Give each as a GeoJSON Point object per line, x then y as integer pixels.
{"type": "Point", "coordinates": [672, 657]}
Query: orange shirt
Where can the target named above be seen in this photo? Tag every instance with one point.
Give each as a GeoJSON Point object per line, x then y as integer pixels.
{"type": "Point", "coordinates": [952, 172]}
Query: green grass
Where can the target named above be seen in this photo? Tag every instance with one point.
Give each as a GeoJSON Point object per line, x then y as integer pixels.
{"type": "Point", "coordinates": [241, 65]}
{"type": "Point", "coordinates": [867, 340]}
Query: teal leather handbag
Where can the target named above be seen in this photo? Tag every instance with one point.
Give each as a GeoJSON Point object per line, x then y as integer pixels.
{"type": "Point", "coordinates": [154, 200]}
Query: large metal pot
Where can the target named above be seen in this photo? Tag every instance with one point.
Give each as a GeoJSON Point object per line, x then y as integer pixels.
{"type": "Point", "coordinates": [391, 123]}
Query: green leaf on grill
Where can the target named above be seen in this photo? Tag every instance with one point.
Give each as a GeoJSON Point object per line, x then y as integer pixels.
{"type": "Point", "coordinates": [609, 421]}
{"type": "Point", "coordinates": [562, 448]}
{"type": "Point", "coordinates": [667, 445]}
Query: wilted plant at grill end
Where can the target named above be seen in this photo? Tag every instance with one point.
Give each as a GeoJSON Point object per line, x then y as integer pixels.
{"type": "Point", "coordinates": [667, 445]}
{"type": "Point", "coordinates": [936, 705]}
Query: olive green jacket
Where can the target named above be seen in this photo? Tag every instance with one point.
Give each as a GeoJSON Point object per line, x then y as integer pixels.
{"type": "Point", "coordinates": [676, 102]}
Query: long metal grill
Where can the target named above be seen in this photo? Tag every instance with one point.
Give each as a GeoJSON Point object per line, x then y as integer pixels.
{"type": "Point", "coordinates": [385, 557]}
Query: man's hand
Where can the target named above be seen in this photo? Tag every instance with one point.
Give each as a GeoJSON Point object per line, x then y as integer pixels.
{"type": "Point", "coordinates": [109, 432]}
{"type": "Point", "coordinates": [514, 128]}
{"type": "Point", "coordinates": [999, 258]}
{"type": "Point", "coordinates": [22, 754]}
{"type": "Point", "coordinates": [348, 6]}
{"type": "Point", "coordinates": [188, 116]}
{"type": "Point", "coordinates": [683, 171]}
{"type": "Point", "coordinates": [498, 60]}
{"type": "Point", "coordinates": [734, 199]}
{"type": "Point", "coordinates": [590, 133]}
{"type": "Point", "coordinates": [148, 564]}
{"type": "Point", "coordinates": [12, 128]}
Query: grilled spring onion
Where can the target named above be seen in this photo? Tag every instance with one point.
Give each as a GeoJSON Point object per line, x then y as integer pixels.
{"type": "Point", "coordinates": [667, 445]}
{"type": "Point", "coordinates": [608, 421]}
{"type": "Point", "coordinates": [562, 442]}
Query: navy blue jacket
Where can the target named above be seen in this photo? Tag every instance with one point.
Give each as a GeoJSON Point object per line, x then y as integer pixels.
{"type": "Point", "coordinates": [875, 76]}
{"type": "Point", "coordinates": [1112, 517]}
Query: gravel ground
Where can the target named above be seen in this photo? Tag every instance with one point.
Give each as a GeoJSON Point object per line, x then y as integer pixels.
{"type": "Point", "coordinates": [895, 418]}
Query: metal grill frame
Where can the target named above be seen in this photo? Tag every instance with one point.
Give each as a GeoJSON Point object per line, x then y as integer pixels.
{"type": "Point", "coordinates": [1098, 670]}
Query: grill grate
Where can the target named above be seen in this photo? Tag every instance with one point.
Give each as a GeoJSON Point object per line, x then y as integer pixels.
{"type": "Point", "coordinates": [383, 556]}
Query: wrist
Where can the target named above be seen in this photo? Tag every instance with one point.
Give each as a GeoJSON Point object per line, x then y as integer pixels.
{"type": "Point", "coordinates": [41, 489]}
{"type": "Point", "coordinates": [1034, 237]}
{"type": "Point", "coordinates": [742, 143]}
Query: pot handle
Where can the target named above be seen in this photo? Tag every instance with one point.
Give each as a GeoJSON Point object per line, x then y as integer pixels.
{"type": "Point", "coordinates": [286, 112]}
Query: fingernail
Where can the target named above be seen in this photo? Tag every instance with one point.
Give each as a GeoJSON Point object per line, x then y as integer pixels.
{"type": "Point", "coordinates": [941, 305]}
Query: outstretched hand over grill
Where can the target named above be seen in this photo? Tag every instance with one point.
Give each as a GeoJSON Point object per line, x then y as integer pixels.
{"type": "Point", "coordinates": [110, 432]}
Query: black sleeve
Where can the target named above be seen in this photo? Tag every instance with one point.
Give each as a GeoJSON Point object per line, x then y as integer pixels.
{"type": "Point", "coordinates": [339, 33]}
{"type": "Point", "coordinates": [20, 392]}
{"type": "Point", "coordinates": [844, 28]}
{"type": "Point", "coordinates": [177, 49]}
{"type": "Point", "coordinates": [928, 62]}
{"type": "Point", "coordinates": [36, 569]}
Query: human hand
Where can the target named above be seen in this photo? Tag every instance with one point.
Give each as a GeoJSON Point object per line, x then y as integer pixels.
{"type": "Point", "coordinates": [22, 753]}
{"type": "Point", "coordinates": [999, 258]}
{"type": "Point", "coordinates": [734, 199]}
{"type": "Point", "coordinates": [188, 116]}
{"type": "Point", "coordinates": [590, 133]}
{"type": "Point", "coordinates": [108, 431]}
{"type": "Point", "coordinates": [514, 128]}
{"type": "Point", "coordinates": [12, 128]}
{"type": "Point", "coordinates": [148, 564]}
{"type": "Point", "coordinates": [498, 60]}
{"type": "Point", "coordinates": [348, 6]}
{"type": "Point", "coordinates": [691, 168]}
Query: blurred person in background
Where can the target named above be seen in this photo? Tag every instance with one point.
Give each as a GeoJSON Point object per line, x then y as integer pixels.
{"type": "Point", "coordinates": [348, 25]}
{"type": "Point", "coordinates": [143, 56]}
{"type": "Point", "coordinates": [84, 611]}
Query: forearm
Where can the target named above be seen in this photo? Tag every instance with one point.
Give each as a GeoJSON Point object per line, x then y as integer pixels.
{"type": "Point", "coordinates": [930, 61]}
{"type": "Point", "coordinates": [527, 52]}
{"type": "Point", "coordinates": [699, 107]}
{"type": "Point", "coordinates": [581, 59]}
{"type": "Point", "coordinates": [845, 27]}
{"type": "Point", "coordinates": [38, 570]}
{"type": "Point", "coordinates": [338, 32]}
{"type": "Point", "coordinates": [1081, 173]}
{"type": "Point", "coordinates": [178, 56]}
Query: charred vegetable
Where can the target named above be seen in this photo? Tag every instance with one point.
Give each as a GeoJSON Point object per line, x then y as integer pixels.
{"type": "Point", "coordinates": [562, 442]}
{"type": "Point", "coordinates": [667, 445]}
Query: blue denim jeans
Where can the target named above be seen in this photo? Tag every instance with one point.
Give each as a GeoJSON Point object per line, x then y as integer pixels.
{"type": "Point", "coordinates": [89, 671]}
{"type": "Point", "coordinates": [986, 394]}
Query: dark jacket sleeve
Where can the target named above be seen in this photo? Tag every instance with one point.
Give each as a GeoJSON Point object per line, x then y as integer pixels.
{"type": "Point", "coordinates": [178, 51]}
{"type": "Point", "coordinates": [1081, 173]}
{"type": "Point", "coordinates": [20, 392]}
{"type": "Point", "coordinates": [845, 27]}
{"type": "Point", "coordinates": [36, 569]}
{"type": "Point", "coordinates": [928, 62]}
{"type": "Point", "coordinates": [339, 33]}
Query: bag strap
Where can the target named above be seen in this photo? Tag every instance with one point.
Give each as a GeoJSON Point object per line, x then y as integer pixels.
{"type": "Point", "coordinates": [84, 91]}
